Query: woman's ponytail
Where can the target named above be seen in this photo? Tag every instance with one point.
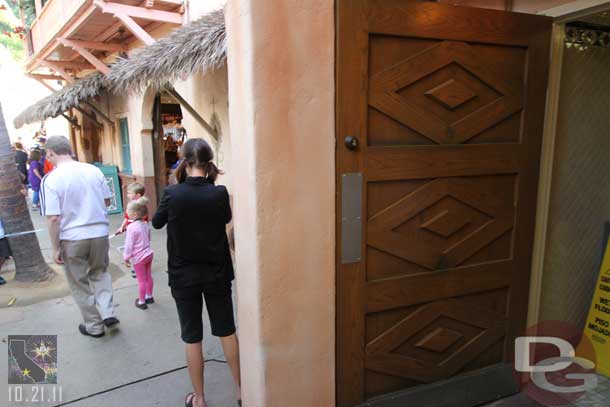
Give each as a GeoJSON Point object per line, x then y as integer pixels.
{"type": "Point", "coordinates": [212, 171]}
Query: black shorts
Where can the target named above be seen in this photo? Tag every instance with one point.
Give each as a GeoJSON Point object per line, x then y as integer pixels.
{"type": "Point", "coordinates": [219, 303]}
{"type": "Point", "coordinates": [5, 249]}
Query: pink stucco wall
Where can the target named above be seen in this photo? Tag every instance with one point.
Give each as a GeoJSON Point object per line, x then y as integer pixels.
{"type": "Point", "coordinates": [281, 92]}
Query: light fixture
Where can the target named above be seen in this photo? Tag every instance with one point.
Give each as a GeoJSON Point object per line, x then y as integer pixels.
{"type": "Point", "coordinates": [589, 37]}
{"type": "Point", "coordinates": [581, 36]}
{"type": "Point", "coordinates": [572, 34]}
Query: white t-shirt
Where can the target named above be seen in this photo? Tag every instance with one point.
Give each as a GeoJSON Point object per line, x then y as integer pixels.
{"type": "Point", "coordinates": [76, 192]}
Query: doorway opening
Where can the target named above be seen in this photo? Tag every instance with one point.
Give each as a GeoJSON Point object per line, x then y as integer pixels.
{"type": "Point", "coordinates": [169, 135]}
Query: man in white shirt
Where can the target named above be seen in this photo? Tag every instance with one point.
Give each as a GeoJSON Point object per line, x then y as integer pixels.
{"type": "Point", "coordinates": [74, 198]}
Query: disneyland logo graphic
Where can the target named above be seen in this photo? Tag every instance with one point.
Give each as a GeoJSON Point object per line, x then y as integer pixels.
{"type": "Point", "coordinates": [555, 363]}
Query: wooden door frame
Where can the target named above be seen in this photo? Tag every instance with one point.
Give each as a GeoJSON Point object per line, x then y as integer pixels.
{"type": "Point", "coordinates": [562, 15]}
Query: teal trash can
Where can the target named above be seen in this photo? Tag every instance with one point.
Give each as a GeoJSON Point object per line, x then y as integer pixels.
{"type": "Point", "coordinates": [111, 173]}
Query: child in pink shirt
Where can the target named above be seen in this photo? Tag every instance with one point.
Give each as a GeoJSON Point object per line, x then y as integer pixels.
{"type": "Point", "coordinates": [137, 251]}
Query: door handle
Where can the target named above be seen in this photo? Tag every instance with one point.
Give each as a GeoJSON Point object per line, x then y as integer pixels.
{"type": "Point", "coordinates": [351, 143]}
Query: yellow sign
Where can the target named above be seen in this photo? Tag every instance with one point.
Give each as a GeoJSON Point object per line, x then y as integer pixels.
{"type": "Point", "coordinates": [597, 328]}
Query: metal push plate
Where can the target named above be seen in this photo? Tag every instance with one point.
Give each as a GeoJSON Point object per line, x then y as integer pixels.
{"type": "Point", "coordinates": [351, 218]}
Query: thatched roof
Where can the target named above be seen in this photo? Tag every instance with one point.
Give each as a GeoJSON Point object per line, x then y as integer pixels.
{"type": "Point", "coordinates": [57, 103]}
{"type": "Point", "coordinates": [194, 47]}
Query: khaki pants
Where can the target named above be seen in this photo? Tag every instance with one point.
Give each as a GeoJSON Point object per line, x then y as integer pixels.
{"type": "Point", "coordinates": [86, 263]}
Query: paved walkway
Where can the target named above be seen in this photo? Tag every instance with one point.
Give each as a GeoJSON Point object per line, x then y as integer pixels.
{"type": "Point", "coordinates": [140, 364]}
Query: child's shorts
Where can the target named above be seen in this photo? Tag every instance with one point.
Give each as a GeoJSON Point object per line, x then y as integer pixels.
{"type": "Point", "coordinates": [219, 303]}
{"type": "Point", "coordinates": [5, 249]}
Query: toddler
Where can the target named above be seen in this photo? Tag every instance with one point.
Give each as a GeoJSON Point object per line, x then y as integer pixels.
{"type": "Point", "coordinates": [134, 191]}
{"type": "Point", "coordinates": [137, 251]}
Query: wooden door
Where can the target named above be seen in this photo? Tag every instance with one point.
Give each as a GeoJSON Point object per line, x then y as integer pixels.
{"type": "Point", "coordinates": [447, 106]}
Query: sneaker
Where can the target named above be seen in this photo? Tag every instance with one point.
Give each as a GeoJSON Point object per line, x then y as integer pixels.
{"type": "Point", "coordinates": [110, 322]}
{"type": "Point", "coordinates": [2, 281]}
{"type": "Point", "coordinates": [150, 300]}
{"type": "Point", "coordinates": [83, 331]}
{"type": "Point", "coordinates": [141, 306]}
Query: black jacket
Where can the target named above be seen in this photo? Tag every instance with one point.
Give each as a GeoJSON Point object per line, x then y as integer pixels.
{"type": "Point", "coordinates": [21, 159]}
{"type": "Point", "coordinates": [196, 213]}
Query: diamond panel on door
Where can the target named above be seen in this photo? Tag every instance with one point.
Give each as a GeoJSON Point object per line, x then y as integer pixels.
{"type": "Point", "coordinates": [444, 222]}
{"type": "Point", "coordinates": [446, 93]}
{"type": "Point", "coordinates": [447, 329]}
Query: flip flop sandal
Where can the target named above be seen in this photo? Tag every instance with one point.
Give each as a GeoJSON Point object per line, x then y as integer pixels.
{"type": "Point", "coordinates": [189, 402]}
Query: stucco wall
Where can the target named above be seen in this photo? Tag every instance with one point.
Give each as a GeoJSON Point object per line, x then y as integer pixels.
{"type": "Point", "coordinates": [281, 88]}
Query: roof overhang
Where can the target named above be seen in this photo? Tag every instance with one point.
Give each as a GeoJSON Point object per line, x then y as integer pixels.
{"type": "Point", "coordinates": [68, 97]}
{"type": "Point", "coordinates": [196, 46]}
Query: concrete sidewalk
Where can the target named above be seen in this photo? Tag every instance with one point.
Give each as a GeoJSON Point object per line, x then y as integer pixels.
{"type": "Point", "coordinates": [139, 364]}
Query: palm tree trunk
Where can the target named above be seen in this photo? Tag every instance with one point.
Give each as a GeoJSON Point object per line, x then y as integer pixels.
{"type": "Point", "coordinates": [15, 214]}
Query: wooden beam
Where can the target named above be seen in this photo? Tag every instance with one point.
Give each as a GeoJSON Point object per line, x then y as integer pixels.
{"type": "Point", "coordinates": [89, 116]}
{"type": "Point", "coordinates": [73, 65]}
{"type": "Point", "coordinates": [98, 112]}
{"type": "Point", "coordinates": [547, 161]}
{"type": "Point", "coordinates": [135, 29]}
{"type": "Point", "coordinates": [39, 76]}
{"type": "Point", "coordinates": [59, 70]}
{"type": "Point", "coordinates": [67, 32]}
{"type": "Point", "coordinates": [139, 12]}
{"type": "Point", "coordinates": [179, 4]}
{"type": "Point", "coordinates": [71, 120]}
{"type": "Point", "coordinates": [43, 83]}
{"type": "Point", "coordinates": [108, 33]}
{"type": "Point", "coordinates": [37, 6]}
{"type": "Point", "coordinates": [99, 65]}
{"type": "Point", "coordinates": [178, 98]}
{"type": "Point", "coordinates": [102, 46]}
{"type": "Point", "coordinates": [170, 2]}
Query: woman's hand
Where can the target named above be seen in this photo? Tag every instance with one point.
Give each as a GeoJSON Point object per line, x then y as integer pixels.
{"type": "Point", "coordinates": [128, 263]}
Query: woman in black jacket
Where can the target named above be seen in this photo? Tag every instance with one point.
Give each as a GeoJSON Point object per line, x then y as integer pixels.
{"type": "Point", "coordinates": [196, 213]}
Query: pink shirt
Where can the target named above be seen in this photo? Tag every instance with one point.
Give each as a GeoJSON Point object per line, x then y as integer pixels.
{"type": "Point", "coordinates": [137, 242]}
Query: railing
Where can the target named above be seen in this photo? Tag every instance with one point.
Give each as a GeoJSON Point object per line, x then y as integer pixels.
{"type": "Point", "coordinates": [53, 17]}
